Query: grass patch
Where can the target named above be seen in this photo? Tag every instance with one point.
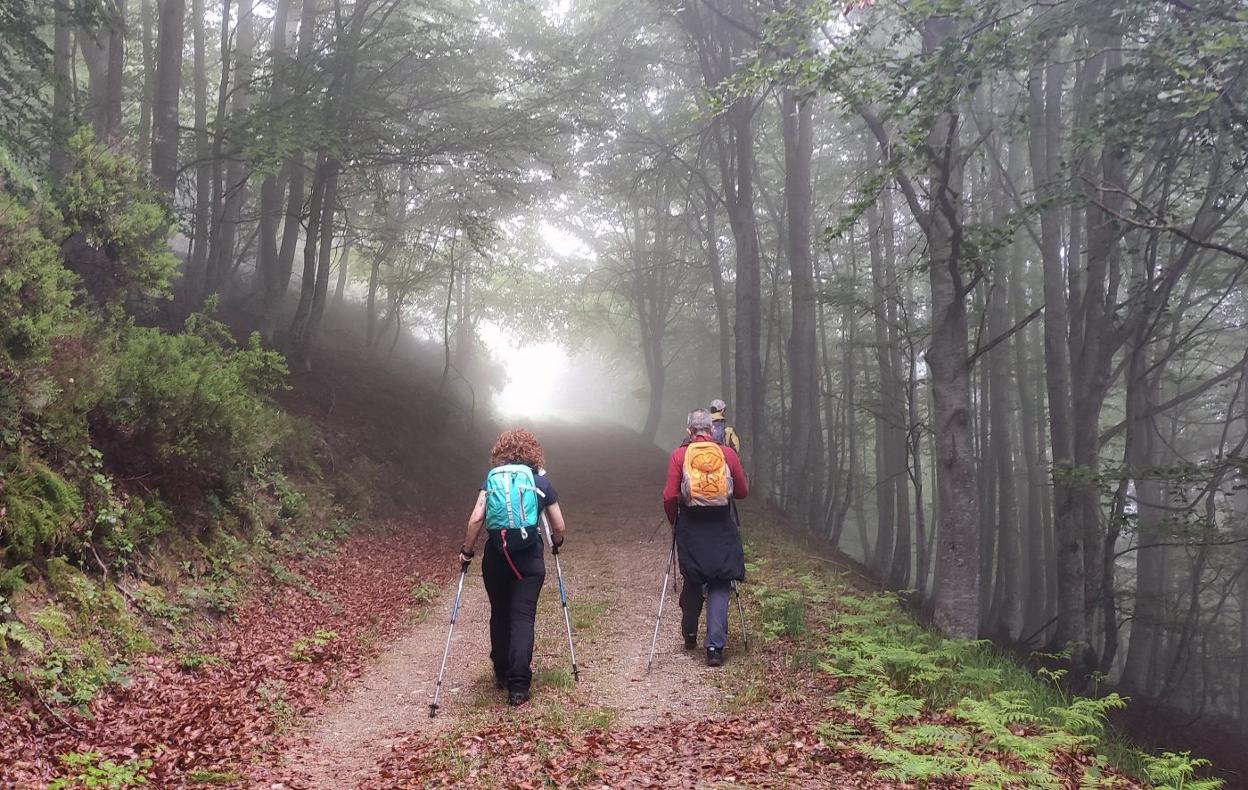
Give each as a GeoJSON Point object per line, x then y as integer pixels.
{"type": "Point", "coordinates": [586, 615]}
{"type": "Point", "coordinates": [552, 677]}
{"type": "Point", "coordinates": [205, 777]}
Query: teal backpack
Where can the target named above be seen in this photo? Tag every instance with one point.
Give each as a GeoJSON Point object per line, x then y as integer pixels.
{"type": "Point", "coordinates": [511, 499]}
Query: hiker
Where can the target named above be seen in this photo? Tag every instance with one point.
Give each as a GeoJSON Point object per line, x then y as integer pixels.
{"type": "Point", "coordinates": [515, 494]}
{"type": "Point", "coordinates": [721, 431]}
{"type": "Point", "coordinates": [703, 477]}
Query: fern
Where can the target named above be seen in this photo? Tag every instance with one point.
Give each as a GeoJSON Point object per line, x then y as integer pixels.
{"type": "Point", "coordinates": [1084, 715]}
{"type": "Point", "coordinates": [15, 633]}
{"type": "Point", "coordinates": [1171, 771]}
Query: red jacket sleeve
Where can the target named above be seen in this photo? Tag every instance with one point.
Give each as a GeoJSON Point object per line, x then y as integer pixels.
{"type": "Point", "coordinates": [740, 486]}
{"type": "Point", "coordinates": [671, 490]}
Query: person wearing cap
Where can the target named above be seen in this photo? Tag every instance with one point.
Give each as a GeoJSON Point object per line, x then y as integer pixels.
{"type": "Point", "coordinates": [704, 477]}
{"type": "Point", "coordinates": [721, 431]}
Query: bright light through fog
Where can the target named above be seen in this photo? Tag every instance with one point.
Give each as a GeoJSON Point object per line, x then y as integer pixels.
{"type": "Point", "coordinates": [534, 373]}
{"type": "Point", "coordinates": [561, 242]}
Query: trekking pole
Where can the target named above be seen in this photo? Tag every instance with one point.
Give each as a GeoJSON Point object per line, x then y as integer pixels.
{"type": "Point", "coordinates": [437, 692]}
{"type": "Point", "coordinates": [736, 588]}
{"type": "Point", "coordinates": [745, 634]}
{"type": "Point", "coordinates": [671, 558]}
{"type": "Point", "coordinates": [563, 598]}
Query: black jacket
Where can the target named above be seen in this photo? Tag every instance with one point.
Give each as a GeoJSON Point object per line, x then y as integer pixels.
{"type": "Point", "coordinates": [708, 545]}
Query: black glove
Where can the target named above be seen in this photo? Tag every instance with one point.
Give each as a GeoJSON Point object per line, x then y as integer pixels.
{"type": "Point", "coordinates": [465, 556]}
{"type": "Point", "coordinates": [555, 543]}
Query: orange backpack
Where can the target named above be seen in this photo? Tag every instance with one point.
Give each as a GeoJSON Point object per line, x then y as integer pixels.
{"type": "Point", "coordinates": [707, 481]}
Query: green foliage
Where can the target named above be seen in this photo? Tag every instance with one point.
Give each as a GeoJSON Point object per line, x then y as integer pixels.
{"type": "Point", "coordinates": [193, 662]}
{"type": "Point", "coordinates": [89, 769]}
{"type": "Point", "coordinates": [310, 648]}
{"type": "Point", "coordinates": [272, 694]}
{"type": "Point", "coordinates": [141, 522]}
{"type": "Point", "coordinates": [14, 634]}
{"type": "Point", "coordinates": [194, 403]}
{"type": "Point", "coordinates": [106, 199]}
{"type": "Point", "coordinates": [424, 592]}
{"type": "Point", "coordinates": [783, 609]}
{"type": "Point", "coordinates": [1170, 771]}
{"type": "Point", "coordinates": [926, 708]}
{"type": "Point", "coordinates": [153, 601]}
{"type": "Point", "coordinates": [12, 580]}
{"type": "Point", "coordinates": [38, 508]}
{"type": "Point", "coordinates": [36, 290]}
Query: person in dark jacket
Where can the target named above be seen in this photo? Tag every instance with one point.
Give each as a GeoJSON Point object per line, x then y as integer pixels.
{"type": "Point", "coordinates": [708, 543]}
{"type": "Point", "coordinates": [513, 568]}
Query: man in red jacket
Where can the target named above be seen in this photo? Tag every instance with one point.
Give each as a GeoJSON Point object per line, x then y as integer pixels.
{"type": "Point", "coordinates": [703, 477]}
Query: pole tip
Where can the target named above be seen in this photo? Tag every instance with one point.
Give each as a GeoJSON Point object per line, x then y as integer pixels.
{"type": "Point", "coordinates": [433, 710]}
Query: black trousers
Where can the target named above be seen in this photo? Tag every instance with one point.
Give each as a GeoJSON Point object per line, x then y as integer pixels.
{"type": "Point", "coordinates": [513, 609]}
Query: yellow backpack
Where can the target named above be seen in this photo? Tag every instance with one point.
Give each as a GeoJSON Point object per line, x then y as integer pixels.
{"type": "Point", "coordinates": [707, 480]}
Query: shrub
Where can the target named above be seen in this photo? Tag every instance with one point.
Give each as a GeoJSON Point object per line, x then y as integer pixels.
{"type": "Point", "coordinates": [107, 201]}
{"type": "Point", "coordinates": [37, 508]}
{"type": "Point", "coordinates": [35, 289]}
{"type": "Point", "coordinates": [194, 404]}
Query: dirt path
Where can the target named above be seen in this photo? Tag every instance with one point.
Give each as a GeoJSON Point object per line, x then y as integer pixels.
{"type": "Point", "coordinates": [613, 567]}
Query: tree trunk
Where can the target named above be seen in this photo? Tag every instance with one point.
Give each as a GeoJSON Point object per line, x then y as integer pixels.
{"type": "Point", "coordinates": [168, 89]}
{"type": "Point", "coordinates": [307, 284]}
{"type": "Point", "coordinates": [804, 386]}
{"type": "Point", "coordinates": [1045, 151]}
{"type": "Point", "coordinates": [749, 328]}
{"type": "Point", "coordinates": [1240, 509]}
{"type": "Point", "coordinates": [895, 407]}
{"type": "Point", "coordinates": [914, 447]}
{"type": "Point", "coordinates": [62, 99]}
{"type": "Point", "coordinates": [1006, 605]}
{"type": "Point", "coordinates": [235, 176]}
{"type": "Point", "coordinates": [149, 81]}
{"type": "Point", "coordinates": [329, 206]}
{"type": "Point", "coordinates": [956, 601]}
{"type": "Point", "coordinates": [203, 154]}
{"type": "Point", "coordinates": [723, 313]}
{"type": "Point", "coordinates": [885, 485]}
{"type": "Point", "coordinates": [1142, 456]}
{"type": "Point", "coordinates": [116, 70]}
{"type": "Point", "coordinates": [269, 209]}
{"type": "Point", "coordinates": [344, 266]}
{"type": "Point", "coordinates": [94, 45]}
{"type": "Point", "coordinates": [296, 173]}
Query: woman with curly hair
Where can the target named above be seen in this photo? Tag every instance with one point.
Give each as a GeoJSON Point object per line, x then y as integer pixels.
{"type": "Point", "coordinates": [515, 494]}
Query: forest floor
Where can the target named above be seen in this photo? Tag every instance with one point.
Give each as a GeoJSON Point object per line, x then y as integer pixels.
{"type": "Point", "coordinates": [326, 683]}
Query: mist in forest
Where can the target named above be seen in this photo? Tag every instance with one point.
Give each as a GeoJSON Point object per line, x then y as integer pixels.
{"type": "Point", "coordinates": [969, 275]}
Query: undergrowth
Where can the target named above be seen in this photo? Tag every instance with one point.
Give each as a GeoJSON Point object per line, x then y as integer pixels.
{"type": "Point", "coordinates": [925, 708]}
{"type": "Point", "coordinates": [145, 471]}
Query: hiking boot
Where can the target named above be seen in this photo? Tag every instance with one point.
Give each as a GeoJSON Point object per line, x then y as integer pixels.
{"type": "Point", "coordinates": [691, 641]}
{"type": "Point", "coordinates": [517, 697]}
{"type": "Point", "coordinates": [714, 657]}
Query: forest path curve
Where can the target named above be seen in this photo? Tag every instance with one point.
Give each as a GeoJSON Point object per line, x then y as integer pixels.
{"type": "Point", "coordinates": [609, 485]}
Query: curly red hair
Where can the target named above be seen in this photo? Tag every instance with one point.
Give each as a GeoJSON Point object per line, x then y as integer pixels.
{"type": "Point", "coordinates": [517, 446]}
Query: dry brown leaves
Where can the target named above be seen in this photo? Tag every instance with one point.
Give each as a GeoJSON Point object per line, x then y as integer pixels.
{"type": "Point", "coordinates": [217, 717]}
{"type": "Point", "coordinates": [778, 748]}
